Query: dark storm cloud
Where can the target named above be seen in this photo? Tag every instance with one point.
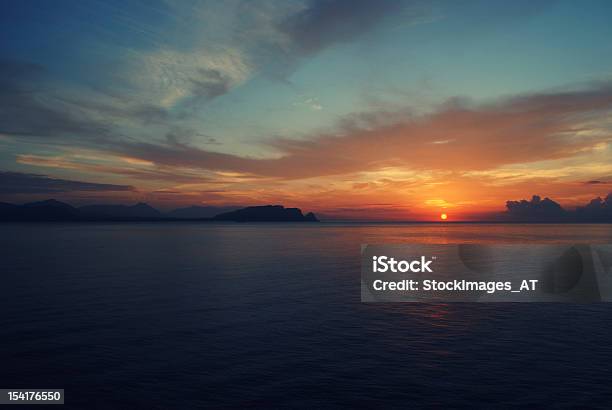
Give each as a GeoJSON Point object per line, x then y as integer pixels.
{"type": "Point", "coordinates": [325, 22]}
{"type": "Point", "coordinates": [20, 183]}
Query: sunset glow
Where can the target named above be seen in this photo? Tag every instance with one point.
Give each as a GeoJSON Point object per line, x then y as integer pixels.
{"type": "Point", "coordinates": [220, 104]}
{"type": "Point", "coordinates": [443, 217]}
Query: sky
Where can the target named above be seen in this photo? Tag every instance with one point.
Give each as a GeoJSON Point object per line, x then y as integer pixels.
{"type": "Point", "coordinates": [352, 109]}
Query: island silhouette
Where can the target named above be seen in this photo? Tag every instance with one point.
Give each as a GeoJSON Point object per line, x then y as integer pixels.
{"type": "Point", "coordinates": [534, 210]}
{"type": "Point", "coordinates": [54, 210]}
{"type": "Point", "coordinates": [268, 213]}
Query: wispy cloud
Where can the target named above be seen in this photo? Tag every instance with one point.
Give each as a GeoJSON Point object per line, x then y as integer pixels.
{"type": "Point", "coordinates": [20, 183]}
{"type": "Point", "coordinates": [171, 76]}
{"type": "Point", "coordinates": [201, 52]}
{"type": "Point", "coordinates": [29, 108]}
{"type": "Point", "coordinates": [518, 130]}
{"type": "Point", "coordinates": [119, 166]}
{"type": "Point", "coordinates": [137, 95]}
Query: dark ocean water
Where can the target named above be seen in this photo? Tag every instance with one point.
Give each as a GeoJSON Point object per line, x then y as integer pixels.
{"type": "Point", "coordinates": [269, 315]}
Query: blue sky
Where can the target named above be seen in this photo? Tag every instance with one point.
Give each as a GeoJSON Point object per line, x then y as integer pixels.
{"type": "Point", "coordinates": [183, 96]}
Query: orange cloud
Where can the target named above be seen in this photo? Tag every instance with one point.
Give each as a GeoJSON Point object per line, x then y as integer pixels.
{"type": "Point", "coordinates": [457, 137]}
{"type": "Point", "coordinates": [464, 159]}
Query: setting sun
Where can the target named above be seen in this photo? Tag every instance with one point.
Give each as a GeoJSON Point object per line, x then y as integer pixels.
{"type": "Point", "coordinates": [443, 217]}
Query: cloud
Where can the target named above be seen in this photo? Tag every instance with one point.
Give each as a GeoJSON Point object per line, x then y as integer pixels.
{"type": "Point", "coordinates": [519, 130]}
{"type": "Point", "coordinates": [535, 209]}
{"type": "Point", "coordinates": [246, 39]}
{"type": "Point", "coordinates": [20, 183]}
{"type": "Point", "coordinates": [210, 83]}
{"type": "Point", "coordinates": [537, 129]}
{"type": "Point", "coordinates": [325, 22]}
{"type": "Point", "coordinates": [34, 104]}
{"type": "Point", "coordinates": [127, 167]}
{"type": "Point", "coordinates": [310, 102]}
{"type": "Point", "coordinates": [541, 210]}
{"type": "Point", "coordinates": [201, 52]}
{"type": "Point", "coordinates": [28, 108]}
{"type": "Point", "coordinates": [597, 210]}
{"type": "Point", "coordinates": [172, 76]}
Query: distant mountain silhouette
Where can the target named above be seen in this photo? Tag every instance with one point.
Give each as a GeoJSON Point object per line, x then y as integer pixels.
{"type": "Point", "coordinates": [53, 210]}
{"type": "Point", "coordinates": [198, 212]}
{"type": "Point", "coordinates": [598, 210]}
{"type": "Point", "coordinates": [267, 213]}
{"type": "Point", "coordinates": [49, 210]}
{"type": "Point", "coordinates": [140, 210]}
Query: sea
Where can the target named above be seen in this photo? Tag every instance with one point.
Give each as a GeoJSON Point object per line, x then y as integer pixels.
{"type": "Point", "coordinates": [233, 315]}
